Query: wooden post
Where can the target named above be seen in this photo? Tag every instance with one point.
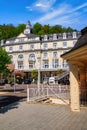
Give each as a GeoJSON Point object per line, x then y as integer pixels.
{"type": "Point", "coordinates": [74, 88]}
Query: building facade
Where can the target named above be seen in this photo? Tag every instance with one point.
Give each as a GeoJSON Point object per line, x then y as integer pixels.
{"type": "Point", "coordinates": [30, 52]}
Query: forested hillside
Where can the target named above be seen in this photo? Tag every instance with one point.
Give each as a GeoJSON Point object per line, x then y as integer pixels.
{"type": "Point", "coordinates": [9, 30]}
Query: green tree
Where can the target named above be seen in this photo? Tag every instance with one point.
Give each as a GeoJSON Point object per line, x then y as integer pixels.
{"type": "Point", "coordinates": [4, 60]}
{"type": "Point", "coordinates": [20, 28]}
{"type": "Point", "coordinates": [46, 29]}
{"type": "Point", "coordinates": [36, 28]}
{"type": "Point", "coordinates": [34, 75]}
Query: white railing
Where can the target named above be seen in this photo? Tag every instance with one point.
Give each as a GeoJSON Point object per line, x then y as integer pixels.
{"type": "Point", "coordinates": [61, 91]}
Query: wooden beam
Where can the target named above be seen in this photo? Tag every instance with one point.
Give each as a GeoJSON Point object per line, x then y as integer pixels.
{"type": "Point", "coordinates": [77, 63]}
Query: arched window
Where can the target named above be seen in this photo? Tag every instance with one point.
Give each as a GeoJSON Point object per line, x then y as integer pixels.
{"type": "Point", "coordinates": [32, 56]}
{"type": "Point", "coordinates": [32, 61]}
{"type": "Point", "coordinates": [20, 56]}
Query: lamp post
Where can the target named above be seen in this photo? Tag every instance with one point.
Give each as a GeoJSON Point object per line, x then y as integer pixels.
{"type": "Point", "coordinates": [38, 84]}
{"type": "Point", "coordinates": [14, 79]}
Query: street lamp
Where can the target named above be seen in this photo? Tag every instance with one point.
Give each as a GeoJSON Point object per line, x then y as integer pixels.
{"type": "Point", "coordinates": [38, 84]}
{"type": "Point", "coordinates": [14, 79]}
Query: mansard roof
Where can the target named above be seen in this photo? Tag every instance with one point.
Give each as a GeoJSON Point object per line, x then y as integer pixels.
{"type": "Point", "coordinates": [82, 41]}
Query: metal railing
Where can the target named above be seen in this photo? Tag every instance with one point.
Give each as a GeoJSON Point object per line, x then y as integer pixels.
{"type": "Point", "coordinates": [60, 91]}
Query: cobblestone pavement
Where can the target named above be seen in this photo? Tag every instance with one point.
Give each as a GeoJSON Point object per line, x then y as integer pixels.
{"type": "Point", "coordinates": [24, 116]}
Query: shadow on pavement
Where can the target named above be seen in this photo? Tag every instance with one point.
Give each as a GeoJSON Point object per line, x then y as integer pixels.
{"type": "Point", "coordinates": [8, 103]}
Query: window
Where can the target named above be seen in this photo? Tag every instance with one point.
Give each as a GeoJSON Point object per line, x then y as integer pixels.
{"type": "Point", "coordinates": [45, 54]}
{"type": "Point", "coordinates": [20, 56]}
{"type": "Point", "coordinates": [21, 40]}
{"type": "Point", "coordinates": [50, 37]}
{"type": "Point", "coordinates": [55, 64]}
{"type": "Point", "coordinates": [45, 37]}
{"type": "Point", "coordinates": [55, 54]}
{"type": "Point", "coordinates": [64, 44]}
{"type": "Point", "coordinates": [45, 64]}
{"type": "Point", "coordinates": [45, 46]}
{"type": "Point", "coordinates": [20, 47]}
{"type": "Point", "coordinates": [54, 45]}
{"type": "Point", "coordinates": [74, 42]}
{"type": "Point", "coordinates": [31, 64]}
{"type": "Point", "coordinates": [12, 41]}
{"type": "Point", "coordinates": [74, 34]}
{"type": "Point", "coordinates": [64, 51]}
{"type": "Point", "coordinates": [32, 39]}
{"type": "Point", "coordinates": [20, 65]}
{"type": "Point", "coordinates": [64, 64]}
{"type": "Point", "coordinates": [10, 48]}
{"type": "Point", "coordinates": [64, 35]}
{"type": "Point", "coordinates": [32, 46]}
{"type": "Point", "coordinates": [54, 37]}
{"type": "Point", "coordinates": [32, 56]}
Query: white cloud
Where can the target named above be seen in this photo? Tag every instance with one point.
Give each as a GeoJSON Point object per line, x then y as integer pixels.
{"type": "Point", "coordinates": [29, 8]}
{"type": "Point", "coordinates": [42, 5]}
{"type": "Point", "coordinates": [53, 14]}
{"type": "Point", "coordinates": [65, 14]}
{"type": "Point", "coordinates": [80, 7]}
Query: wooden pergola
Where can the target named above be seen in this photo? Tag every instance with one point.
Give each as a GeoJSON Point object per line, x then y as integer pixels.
{"type": "Point", "coordinates": [77, 60]}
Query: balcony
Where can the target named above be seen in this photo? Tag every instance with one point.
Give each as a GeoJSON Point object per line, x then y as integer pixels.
{"type": "Point", "coordinates": [53, 67]}
{"type": "Point", "coordinates": [45, 58]}
{"type": "Point", "coordinates": [20, 59]}
{"type": "Point", "coordinates": [31, 59]}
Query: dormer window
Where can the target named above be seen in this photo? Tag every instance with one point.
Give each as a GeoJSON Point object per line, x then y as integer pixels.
{"type": "Point", "coordinates": [54, 37]}
{"type": "Point", "coordinates": [21, 40]}
{"type": "Point", "coordinates": [32, 39]}
{"type": "Point", "coordinates": [74, 34]}
{"type": "Point", "coordinates": [45, 37]}
{"type": "Point", "coordinates": [12, 41]}
{"type": "Point", "coordinates": [64, 35]}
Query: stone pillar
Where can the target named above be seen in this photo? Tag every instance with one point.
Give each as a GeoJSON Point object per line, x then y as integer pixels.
{"type": "Point", "coordinates": [82, 77]}
{"type": "Point", "coordinates": [74, 88]}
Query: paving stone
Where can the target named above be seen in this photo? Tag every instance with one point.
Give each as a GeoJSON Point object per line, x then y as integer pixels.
{"type": "Point", "coordinates": [24, 116]}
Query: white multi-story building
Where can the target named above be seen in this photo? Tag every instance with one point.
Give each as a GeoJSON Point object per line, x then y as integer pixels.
{"type": "Point", "coordinates": [29, 51]}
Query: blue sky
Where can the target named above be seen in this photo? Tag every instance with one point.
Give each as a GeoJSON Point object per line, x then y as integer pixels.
{"type": "Point", "coordinates": [71, 13]}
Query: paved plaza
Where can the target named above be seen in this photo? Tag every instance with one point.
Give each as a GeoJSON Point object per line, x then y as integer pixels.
{"type": "Point", "coordinates": [24, 116]}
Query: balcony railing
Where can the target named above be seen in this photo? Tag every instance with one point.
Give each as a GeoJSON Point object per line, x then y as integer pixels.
{"type": "Point", "coordinates": [20, 59]}
{"type": "Point", "coordinates": [31, 59]}
{"type": "Point", "coordinates": [44, 67]}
